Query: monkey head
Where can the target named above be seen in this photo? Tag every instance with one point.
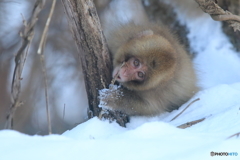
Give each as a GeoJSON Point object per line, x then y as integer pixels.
{"type": "Point", "coordinates": [149, 61]}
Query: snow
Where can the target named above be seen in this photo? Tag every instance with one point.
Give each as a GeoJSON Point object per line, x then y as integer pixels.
{"type": "Point", "coordinates": [156, 138]}
{"type": "Point", "coordinates": [217, 62]}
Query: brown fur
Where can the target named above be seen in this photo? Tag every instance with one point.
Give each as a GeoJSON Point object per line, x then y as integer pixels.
{"type": "Point", "coordinates": [170, 79]}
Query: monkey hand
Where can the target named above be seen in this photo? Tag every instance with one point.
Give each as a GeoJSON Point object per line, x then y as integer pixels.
{"type": "Point", "coordinates": [108, 97]}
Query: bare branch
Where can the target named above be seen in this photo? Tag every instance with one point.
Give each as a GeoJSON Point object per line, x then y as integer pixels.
{"type": "Point", "coordinates": [64, 107]}
{"type": "Point", "coordinates": [20, 58]}
{"type": "Point", "coordinates": [94, 54]}
{"type": "Point", "coordinates": [236, 134]}
{"type": "Point", "coordinates": [189, 124]}
{"type": "Point", "coordinates": [45, 31]}
{"type": "Point", "coordinates": [218, 14]}
{"type": "Point", "coordinates": [43, 63]}
{"type": "Point", "coordinates": [93, 51]}
{"type": "Point", "coordinates": [185, 108]}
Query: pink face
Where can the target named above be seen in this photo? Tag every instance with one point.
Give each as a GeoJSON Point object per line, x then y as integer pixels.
{"type": "Point", "coordinates": [132, 70]}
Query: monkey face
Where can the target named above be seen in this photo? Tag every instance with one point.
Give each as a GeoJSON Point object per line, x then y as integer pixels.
{"type": "Point", "coordinates": [149, 61]}
{"type": "Point", "coordinates": [132, 70]}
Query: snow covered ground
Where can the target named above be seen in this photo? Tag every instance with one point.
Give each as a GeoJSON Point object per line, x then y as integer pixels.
{"type": "Point", "coordinates": [218, 67]}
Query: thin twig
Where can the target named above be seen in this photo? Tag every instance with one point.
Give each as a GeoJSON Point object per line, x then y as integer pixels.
{"type": "Point", "coordinates": [236, 134]}
{"type": "Point", "coordinates": [189, 124]}
{"type": "Point", "coordinates": [64, 111]}
{"type": "Point", "coordinates": [218, 14]}
{"type": "Point", "coordinates": [45, 31]}
{"type": "Point", "coordinates": [43, 63]}
{"type": "Point", "coordinates": [185, 109]}
{"type": "Point", "coordinates": [20, 58]}
{"type": "Point", "coordinates": [115, 77]}
{"type": "Point", "coordinates": [104, 86]}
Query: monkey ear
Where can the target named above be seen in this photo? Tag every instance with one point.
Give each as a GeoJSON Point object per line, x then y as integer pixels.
{"type": "Point", "coordinates": [144, 33]}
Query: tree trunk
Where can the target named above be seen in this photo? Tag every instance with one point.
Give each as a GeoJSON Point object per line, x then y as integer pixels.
{"type": "Point", "coordinates": [93, 52]}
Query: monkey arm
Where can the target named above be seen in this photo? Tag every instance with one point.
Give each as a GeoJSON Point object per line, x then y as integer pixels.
{"type": "Point", "coordinates": [126, 101]}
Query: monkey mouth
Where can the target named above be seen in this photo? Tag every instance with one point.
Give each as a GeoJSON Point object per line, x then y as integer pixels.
{"type": "Point", "coordinates": [118, 78]}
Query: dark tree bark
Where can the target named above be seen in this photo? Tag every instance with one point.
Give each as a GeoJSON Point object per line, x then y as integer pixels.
{"type": "Point", "coordinates": [234, 7]}
{"type": "Point", "coordinates": [93, 52]}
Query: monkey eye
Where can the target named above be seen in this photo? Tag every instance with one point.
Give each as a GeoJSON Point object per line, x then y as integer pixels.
{"type": "Point", "coordinates": [136, 63]}
{"type": "Point", "coordinates": [141, 75]}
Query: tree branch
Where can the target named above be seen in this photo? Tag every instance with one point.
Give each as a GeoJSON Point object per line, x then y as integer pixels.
{"type": "Point", "coordinates": [185, 109]}
{"type": "Point", "coordinates": [234, 135]}
{"type": "Point", "coordinates": [189, 124]}
{"type": "Point", "coordinates": [92, 47]}
{"type": "Point", "coordinates": [93, 52]}
{"type": "Point", "coordinates": [218, 14]}
{"type": "Point", "coordinates": [43, 64]}
{"type": "Point", "coordinates": [20, 58]}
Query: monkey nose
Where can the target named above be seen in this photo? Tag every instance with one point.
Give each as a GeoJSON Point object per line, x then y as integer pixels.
{"type": "Point", "coordinates": [126, 74]}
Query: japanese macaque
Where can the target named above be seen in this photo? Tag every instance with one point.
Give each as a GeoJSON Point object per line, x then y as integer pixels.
{"type": "Point", "coordinates": [154, 71]}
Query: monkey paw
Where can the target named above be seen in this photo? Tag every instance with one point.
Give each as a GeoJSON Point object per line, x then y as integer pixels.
{"type": "Point", "coordinates": [108, 97]}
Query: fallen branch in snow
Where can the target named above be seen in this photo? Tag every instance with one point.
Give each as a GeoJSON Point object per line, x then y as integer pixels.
{"type": "Point", "coordinates": [218, 14]}
{"type": "Point", "coordinates": [185, 109]}
{"type": "Point", "coordinates": [43, 64]}
{"type": "Point", "coordinates": [236, 134]}
{"type": "Point", "coordinates": [189, 124]}
{"type": "Point", "coordinates": [20, 58]}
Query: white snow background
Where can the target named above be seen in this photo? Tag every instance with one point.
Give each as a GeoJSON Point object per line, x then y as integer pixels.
{"type": "Point", "coordinates": [155, 138]}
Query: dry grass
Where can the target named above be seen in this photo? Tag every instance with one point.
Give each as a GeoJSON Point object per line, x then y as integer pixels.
{"type": "Point", "coordinates": [234, 135]}
{"type": "Point", "coordinates": [43, 63]}
{"type": "Point", "coordinates": [185, 109]}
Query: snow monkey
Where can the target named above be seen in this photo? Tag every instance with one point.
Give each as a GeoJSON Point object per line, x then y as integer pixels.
{"type": "Point", "coordinates": [153, 69]}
